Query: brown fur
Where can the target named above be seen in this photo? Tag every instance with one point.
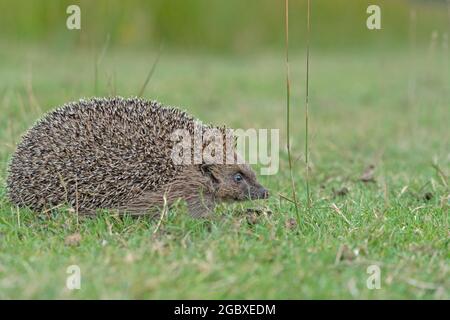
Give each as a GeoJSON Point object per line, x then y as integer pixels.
{"type": "Point", "coordinates": [202, 187]}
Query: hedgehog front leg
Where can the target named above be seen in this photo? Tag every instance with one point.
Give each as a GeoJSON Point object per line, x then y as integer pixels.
{"type": "Point", "coordinates": [200, 206]}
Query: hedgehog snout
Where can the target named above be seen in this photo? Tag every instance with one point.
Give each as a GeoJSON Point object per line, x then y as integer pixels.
{"type": "Point", "coordinates": [258, 192]}
{"type": "Point", "coordinates": [263, 193]}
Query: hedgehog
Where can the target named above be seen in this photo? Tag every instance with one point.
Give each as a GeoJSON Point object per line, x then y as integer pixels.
{"type": "Point", "coordinates": [117, 154]}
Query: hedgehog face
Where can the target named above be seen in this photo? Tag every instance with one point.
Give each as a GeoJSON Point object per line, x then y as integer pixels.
{"type": "Point", "coordinates": [235, 182]}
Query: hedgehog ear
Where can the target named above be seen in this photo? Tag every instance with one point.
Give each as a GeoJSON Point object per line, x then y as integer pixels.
{"type": "Point", "coordinates": [206, 170]}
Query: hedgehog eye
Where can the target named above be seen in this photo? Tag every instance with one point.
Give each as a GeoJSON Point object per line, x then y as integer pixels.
{"type": "Point", "coordinates": [238, 177]}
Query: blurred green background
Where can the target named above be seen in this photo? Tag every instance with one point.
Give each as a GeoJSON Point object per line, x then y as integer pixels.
{"type": "Point", "coordinates": [376, 97]}
{"type": "Point", "coordinates": [220, 26]}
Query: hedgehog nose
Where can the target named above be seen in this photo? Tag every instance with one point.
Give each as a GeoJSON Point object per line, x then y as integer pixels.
{"type": "Point", "coordinates": [264, 193]}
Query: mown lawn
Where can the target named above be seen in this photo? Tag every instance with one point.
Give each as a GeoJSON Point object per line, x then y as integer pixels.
{"type": "Point", "coordinates": [387, 109]}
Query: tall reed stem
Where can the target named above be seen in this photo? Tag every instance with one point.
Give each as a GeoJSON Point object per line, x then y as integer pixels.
{"type": "Point", "coordinates": [288, 107]}
{"type": "Point", "coordinates": [307, 104]}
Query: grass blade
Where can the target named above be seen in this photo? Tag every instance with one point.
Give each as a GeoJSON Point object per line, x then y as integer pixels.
{"type": "Point", "coordinates": [150, 74]}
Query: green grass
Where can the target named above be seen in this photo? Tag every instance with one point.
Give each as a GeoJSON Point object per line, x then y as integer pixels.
{"type": "Point", "coordinates": [361, 113]}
